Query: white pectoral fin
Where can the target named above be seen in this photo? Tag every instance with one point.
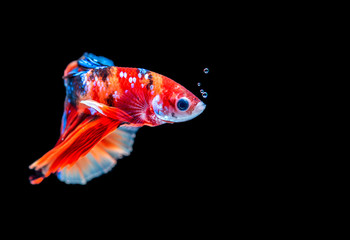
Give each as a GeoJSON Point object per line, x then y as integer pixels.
{"type": "Point", "coordinates": [111, 112]}
{"type": "Point", "coordinates": [95, 105]}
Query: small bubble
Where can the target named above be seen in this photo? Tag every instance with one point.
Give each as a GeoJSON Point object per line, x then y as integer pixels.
{"type": "Point", "coordinates": [202, 91]}
{"type": "Point", "coordinates": [206, 70]}
{"type": "Point", "coordinates": [205, 94]}
{"type": "Point", "coordinates": [198, 84]}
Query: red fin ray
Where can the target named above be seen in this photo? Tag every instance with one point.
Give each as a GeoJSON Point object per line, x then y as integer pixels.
{"type": "Point", "coordinates": [131, 108]}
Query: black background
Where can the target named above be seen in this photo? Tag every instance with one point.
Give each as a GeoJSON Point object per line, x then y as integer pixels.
{"type": "Point", "coordinates": [171, 162]}
{"type": "Point", "coordinates": [235, 167]}
{"type": "Point", "coordinates": [197, 165]}
{"type": "Point", "coordinates": [223, 159]}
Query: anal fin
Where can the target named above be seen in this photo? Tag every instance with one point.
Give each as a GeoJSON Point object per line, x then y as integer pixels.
{"type": "Point", "coordinates": [102, 158]}
{"type": "Point", "coordinates": [87, 168]}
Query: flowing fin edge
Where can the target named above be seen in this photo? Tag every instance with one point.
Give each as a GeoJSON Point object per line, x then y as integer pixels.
{"type": "Point", "coordinates": [102, 158]}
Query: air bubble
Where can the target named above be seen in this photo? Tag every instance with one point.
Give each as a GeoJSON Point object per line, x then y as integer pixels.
{"type": "Point", "coordinates": [199, 84]}
{"type": "Point", "coordinates": [204, 94]}
{"type": "Point", "coordinates": [206, 70]}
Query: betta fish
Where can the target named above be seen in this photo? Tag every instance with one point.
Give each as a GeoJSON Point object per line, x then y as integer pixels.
{"type": "Point", "coordinates": [104, 107]}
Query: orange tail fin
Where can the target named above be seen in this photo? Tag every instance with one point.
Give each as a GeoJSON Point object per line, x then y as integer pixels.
{"type": "Point", "coordinates": [76, 145]}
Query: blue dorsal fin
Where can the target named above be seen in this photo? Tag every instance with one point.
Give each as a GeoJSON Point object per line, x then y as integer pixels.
{"type": "Point", "coordinates": [89, 60]}
{"type": "Point", "coordinates": [85, 63]}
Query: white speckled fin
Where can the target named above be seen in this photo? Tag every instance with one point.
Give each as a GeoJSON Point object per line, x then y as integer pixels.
{"type": "Point", "coordinates": [102, 158]}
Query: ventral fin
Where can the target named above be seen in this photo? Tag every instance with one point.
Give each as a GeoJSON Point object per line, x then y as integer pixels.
{"type": "Point", "coordinates": [110, 112]}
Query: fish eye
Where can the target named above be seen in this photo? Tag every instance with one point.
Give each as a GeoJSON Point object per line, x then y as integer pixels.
{"type": "Point", "coordinates": [183, 104]}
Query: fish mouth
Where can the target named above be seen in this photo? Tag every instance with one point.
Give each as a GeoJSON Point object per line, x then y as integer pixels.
{"type": "Point", "coordinates": [195, 112]}
{"type": "Point", "coordinates": [199, 108]}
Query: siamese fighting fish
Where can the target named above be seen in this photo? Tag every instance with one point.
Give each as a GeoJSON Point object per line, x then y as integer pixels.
{"type": "Point", "coordinates": [104, 107]}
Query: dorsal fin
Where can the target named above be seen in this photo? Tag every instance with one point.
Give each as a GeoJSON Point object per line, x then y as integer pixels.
{"type": "Point", "coordinates": [89, 60]}
{"type": "Point", "coordinates": [86, 62]}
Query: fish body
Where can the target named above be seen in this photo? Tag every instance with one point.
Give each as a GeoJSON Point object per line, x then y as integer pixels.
{"type": "Point", "coordinates": [105, 105]}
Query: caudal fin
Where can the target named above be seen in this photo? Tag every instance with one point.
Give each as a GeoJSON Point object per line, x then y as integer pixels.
{"type": "Point", "coordinates": [76, 145]}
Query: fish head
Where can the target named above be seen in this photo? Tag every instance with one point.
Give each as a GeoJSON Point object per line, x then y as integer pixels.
{"type": "Point", "coordinates": [176, 104]}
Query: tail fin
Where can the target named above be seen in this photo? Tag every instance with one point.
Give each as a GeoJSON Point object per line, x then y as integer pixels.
{"type": "Point", "coordinates": [76, 145]}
